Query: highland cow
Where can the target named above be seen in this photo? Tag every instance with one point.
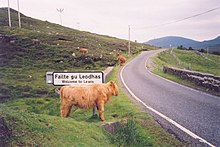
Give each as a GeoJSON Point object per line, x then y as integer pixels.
{"type": "Point", "coordinates": [121, 59]}
{"type": "Point", "coordinates": [88, 96]}
{"type": "Point", "coordinates": [83, 50]}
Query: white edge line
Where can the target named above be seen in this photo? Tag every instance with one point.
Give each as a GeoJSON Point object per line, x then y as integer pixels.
{"type": "Point", "coordinates": [163, 116]}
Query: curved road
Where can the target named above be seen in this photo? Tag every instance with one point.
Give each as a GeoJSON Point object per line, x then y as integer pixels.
{"type": "Point", "coordinates": [195, 113]}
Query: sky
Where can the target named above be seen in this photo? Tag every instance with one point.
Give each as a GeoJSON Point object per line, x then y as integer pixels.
{"type": "Point", "coordinates": [148, 19]}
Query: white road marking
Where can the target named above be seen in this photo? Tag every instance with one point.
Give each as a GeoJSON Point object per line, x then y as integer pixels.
{"type": "Point", "coordinates": [193, 135]}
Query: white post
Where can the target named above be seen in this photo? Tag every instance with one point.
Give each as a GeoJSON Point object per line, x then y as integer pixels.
{"type": "Point", "coordinates": [60, 10]}
{"type": "Point", "coordinates": [9, 15]}
{"type": "Point", "coordinates": [19, 16]}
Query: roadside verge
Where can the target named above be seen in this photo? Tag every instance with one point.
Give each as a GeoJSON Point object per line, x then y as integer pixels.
{"type": "Point", "coordinates": [195, 137]}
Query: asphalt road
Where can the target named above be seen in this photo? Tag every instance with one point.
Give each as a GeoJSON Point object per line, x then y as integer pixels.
{"type": "Point", "coordinates": [195, 111]}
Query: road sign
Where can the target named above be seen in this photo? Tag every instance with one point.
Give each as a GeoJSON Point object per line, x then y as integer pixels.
{"type": "Point", "coordinates": [70, 78]}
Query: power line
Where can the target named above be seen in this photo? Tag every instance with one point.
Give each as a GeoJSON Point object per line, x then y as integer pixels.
{"type": "Point", "coordinates": [189, 17]}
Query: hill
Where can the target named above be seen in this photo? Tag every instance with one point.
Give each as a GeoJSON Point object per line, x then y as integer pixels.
{"type": "Point", "coordinates": [175, 41]}
{"type": "Point", "coordinates": [27, 53]}
{"type": "Point", "coordinates": [171, 41]}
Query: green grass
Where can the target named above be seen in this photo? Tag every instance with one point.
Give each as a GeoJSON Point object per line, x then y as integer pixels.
{"type": "Point", "coordinates": [190, 60]}
{"type": "Point", "coordinates": [36, 121]}
{"type": "Point", "coordinates": [26, 63]}
{"type": "Point", "coordinates": [31, 129]}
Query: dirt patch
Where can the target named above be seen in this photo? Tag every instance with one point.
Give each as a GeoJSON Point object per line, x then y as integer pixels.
{"type": "Point", "coordinates": [113, 127]}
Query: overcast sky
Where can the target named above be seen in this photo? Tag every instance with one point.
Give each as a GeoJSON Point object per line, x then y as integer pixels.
{"type": "Point", "coordinates": [148, 19]}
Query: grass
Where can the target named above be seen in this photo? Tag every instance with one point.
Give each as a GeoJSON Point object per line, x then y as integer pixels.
{"type": "Point", "coordinates": [206, 63]}
{"type": "Point", "coordinates": [36, 121]}
{"type": "Point", "coordinates": [31, 129]}
{"type": "Point", "coordinates": [189, 60]}
{"type": "Point", "coordinates": [26, 62]}
{"type": "Point", "coordinates": [130, 134]}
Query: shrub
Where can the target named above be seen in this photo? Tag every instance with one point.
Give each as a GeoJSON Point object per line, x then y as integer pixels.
{"type": "Point", "coordinates": [129, 134]}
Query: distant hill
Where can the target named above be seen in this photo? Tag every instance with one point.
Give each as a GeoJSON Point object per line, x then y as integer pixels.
{"type": "Point", "coordinates": [171, 41]}
{"type": "Point", "coordinates": [209, 43]}
{"type": "Point", "coordinates": [175, 41]}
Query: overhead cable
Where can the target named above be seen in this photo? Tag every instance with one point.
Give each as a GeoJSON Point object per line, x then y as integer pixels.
{"type": "Point", "coordinates": [176, 21]}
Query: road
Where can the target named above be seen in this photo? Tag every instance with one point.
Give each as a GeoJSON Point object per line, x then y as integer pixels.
{"type": "Point", "coordinates": [195, 113]}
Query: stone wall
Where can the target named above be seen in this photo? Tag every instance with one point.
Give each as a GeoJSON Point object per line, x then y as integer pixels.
{"type": "Point", "coordinates": [209, 81]}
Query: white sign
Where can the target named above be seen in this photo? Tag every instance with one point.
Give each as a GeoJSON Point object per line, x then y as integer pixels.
{"type": "Point", "coordinates": [66, 78]}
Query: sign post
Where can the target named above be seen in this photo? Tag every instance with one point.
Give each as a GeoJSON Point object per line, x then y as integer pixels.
{"type": "Point", "coordinates": [76, 78]}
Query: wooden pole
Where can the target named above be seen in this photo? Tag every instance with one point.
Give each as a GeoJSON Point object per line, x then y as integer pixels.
{"type": "Point", "coordinates": [19, 16]}
{"type": "Point", "coordinates": [9, 15]}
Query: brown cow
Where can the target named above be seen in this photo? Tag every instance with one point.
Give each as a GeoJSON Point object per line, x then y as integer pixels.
{"type": "Point", "coordinates": [90, 96]}
{"type": "Point", "coordinates": [83, 50]}
{"type": "Point", "coordinates": [121, 59]}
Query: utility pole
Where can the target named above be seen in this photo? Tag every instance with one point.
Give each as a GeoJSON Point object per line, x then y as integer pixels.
{"type": "Point", "coordinates": [9, 15]}
{"type": "Point", "coordinates": [129, 42]}
{"type": "Point", "coordinates": [78, 25]}
{"type": "Point", "coordinates": [19, 16]}
{"type": "Point", "coordinates": [60, 10]}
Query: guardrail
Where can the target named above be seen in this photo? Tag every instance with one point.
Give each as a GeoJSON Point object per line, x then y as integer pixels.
{"type": "Point", "coordinates": [209, 81]}
{"type": "Point", "coordinates": [107, 72]}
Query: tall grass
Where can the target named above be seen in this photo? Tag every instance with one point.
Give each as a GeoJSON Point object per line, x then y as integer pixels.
{"type": "Point", "coordinates": [191, 60]}
{"type": "Point", "coordinates": [130, 134]}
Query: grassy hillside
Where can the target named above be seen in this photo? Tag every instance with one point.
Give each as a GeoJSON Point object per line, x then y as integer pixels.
{"type": "Point", "coordinates": [27, 53]}
{"type": "Point", "coordinates": [196, 61]}
{"type": "Point", "coordinates": [201, 62]}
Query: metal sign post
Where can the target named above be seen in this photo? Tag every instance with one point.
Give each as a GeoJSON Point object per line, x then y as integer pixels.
{"type": "Point", "coordinates": [76, 78]}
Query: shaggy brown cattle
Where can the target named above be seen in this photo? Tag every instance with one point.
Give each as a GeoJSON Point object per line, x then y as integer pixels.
{"type": "Point", "coordinates": [90, 96]}
{"type": "Point", "coordinates": [121, 59]}
{"type": "Point", "coordinates": [83, 50]}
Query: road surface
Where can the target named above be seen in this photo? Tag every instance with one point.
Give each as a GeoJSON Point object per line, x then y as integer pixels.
{"type": "Point", "coordinates": [194, 113]}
